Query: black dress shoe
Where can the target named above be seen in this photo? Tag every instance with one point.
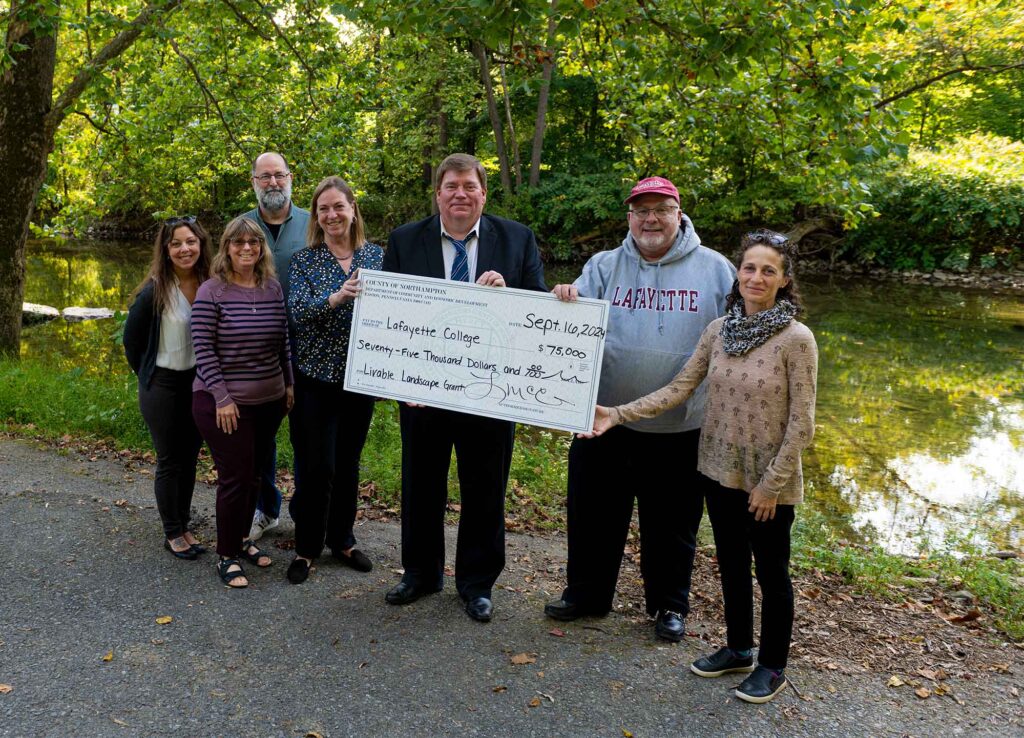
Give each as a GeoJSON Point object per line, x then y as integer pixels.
{"type": "Point", "coordinates": [562, 610]}
{"type": "Point", "coordinates": [405, 592]}
{"type": "Point", "coordinates": [480, 609]}
{"type": "Point", "coordinates": [670, 626]}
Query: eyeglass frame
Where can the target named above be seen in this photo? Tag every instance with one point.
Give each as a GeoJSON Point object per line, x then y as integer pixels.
{"type": "Point", "coordinates": [240, 243]}
{"type": "Point", "coordinates": [279, 176]}
{"type": "Point", "coordinates": [643, 213]}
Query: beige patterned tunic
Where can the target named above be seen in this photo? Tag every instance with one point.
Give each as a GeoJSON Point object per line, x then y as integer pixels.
{"type": "Point", "coordinates": [759, 413]}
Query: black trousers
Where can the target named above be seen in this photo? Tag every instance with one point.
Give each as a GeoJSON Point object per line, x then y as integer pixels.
{"type": "Point", "coordinates": [483, 451]}
{"type": "Point", "coordinates": [166, 406]}
{"type": "Point", "coordinates": [738, 537]}
{"type": "Point", "coordinates": [238, 457]}
{"type": "Point", "coordinates": [606, 474]}
{"type": "Point", "coordinates": [328, 431]}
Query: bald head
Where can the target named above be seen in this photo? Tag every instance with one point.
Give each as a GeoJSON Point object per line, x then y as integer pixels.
{"type": "Point", "coordinates": [272, 183]}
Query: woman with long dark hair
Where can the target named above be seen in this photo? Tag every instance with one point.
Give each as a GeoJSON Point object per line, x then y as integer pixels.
{"type": "Point", "coordinates": [761, 366]}
{"type": "Point", "coordinates": [243, 387]}
{"type": "Point", "coordinates": [158, 346]}
{"type": "Point", "coordinates": [329, 425]}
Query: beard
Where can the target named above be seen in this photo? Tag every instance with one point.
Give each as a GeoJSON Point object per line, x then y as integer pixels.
{"type": "Point", "coordinates": [274, 199]}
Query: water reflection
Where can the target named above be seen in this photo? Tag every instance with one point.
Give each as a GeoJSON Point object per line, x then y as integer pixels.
{"type": "Point", "coordinates": [920, 404]}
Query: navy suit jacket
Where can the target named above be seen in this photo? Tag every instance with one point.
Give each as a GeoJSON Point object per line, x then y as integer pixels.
{"type": "Point", "coordinates": [504, 246]}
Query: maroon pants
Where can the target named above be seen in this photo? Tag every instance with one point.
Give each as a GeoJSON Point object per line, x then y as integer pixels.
{"type": "Point", "coordinates": [238, 457]}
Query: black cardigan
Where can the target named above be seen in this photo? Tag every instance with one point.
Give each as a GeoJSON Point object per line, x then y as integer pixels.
{"type": "Point", "coordinates": [142, 335]}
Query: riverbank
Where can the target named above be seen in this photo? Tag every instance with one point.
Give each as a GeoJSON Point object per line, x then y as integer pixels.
{"type": "Point", "coordinates": [1004, 281]}
{"type": "Point", "coordinates": [108, 632]}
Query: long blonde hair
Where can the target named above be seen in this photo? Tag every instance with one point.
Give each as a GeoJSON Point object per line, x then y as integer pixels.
{"type": "Point", "coordinates": [161, 268]}
{"type": "Point", "coordinates": [243, 227]}
{"type": "Point", "coordinates": [315, 234]}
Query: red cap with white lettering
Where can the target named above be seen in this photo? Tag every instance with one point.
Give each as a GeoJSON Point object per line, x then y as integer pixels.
{"type": "Point", "coordinates": [653, 186]}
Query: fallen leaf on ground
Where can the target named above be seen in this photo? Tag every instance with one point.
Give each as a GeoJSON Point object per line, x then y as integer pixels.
{"type": "Point", "coordinates": [557, 632]}
{"type": "Point", "coordinates": [500, 688]}
{"type": "Point", "coordinates": [626, 733]}
{"type": "Point", "coordinates": [164, 620]}
{"type": "Point", "coordinates": [923, 693]}
{"type": "Point", "coordinates": [928, 674]}
{"type": "Point", "coordinates": [5, 688]}
{"type": "Point", "coordinates": [523, 658]}
{"type": "Point", "coordinates": [967, 617]}
{"type": "Point", "coordinates": [535, 702]}
{"type": "Point", "coordinates": [313, 734]}
{"type": "Point", "coordinates": [120, 722]}
{"type": "Point", "coordinates": [109, 656]}
{"type": "Point", "coordinates": [894, 681]}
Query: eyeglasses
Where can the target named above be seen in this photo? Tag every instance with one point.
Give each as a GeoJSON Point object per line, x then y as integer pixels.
{"type": "Point", "coordinates": [265, 178]}
{"type": "Point", "coordinates": [253, 243]}
{"type": "Point", "coordinates": [179, 220]}
{"type": "Point", "coordinates": [771, 238]}
{"type": "Point", "coordinates": [660, 212]}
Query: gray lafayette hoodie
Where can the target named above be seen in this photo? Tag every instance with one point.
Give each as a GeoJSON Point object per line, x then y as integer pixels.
{"type": "Point", "coordinates": [659, 310]}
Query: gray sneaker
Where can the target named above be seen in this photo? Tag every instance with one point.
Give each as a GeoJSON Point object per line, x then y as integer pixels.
{"type": "Point", "coordinates": [722, 661]}
{"type": "Point", "coordinates": [261, 523]}
{"type": "Point", "coordinates": [761, 686]}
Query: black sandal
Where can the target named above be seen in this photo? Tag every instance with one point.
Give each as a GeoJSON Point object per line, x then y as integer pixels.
{"type": "Point", "coordinates": [189, 554]}
{"type": "Point", "coordinates": [229, 576]}
{"type": "Point", "coordinates": [254, 558]}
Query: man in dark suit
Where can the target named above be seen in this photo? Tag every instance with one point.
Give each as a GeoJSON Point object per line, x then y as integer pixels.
{"type": "Point", "coordinates": [459, 242]}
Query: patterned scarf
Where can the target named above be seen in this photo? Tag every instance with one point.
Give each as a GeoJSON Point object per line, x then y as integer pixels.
{"type": "Point", "coordinates": [742, 333]}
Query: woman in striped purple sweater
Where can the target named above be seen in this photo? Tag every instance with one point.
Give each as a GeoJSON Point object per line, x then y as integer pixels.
{"type": "Point", "coordinates": [243, 387]}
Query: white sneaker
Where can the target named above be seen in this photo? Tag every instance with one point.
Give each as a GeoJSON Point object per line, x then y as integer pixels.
{"type": "Point", "coordinates": [261, 523]}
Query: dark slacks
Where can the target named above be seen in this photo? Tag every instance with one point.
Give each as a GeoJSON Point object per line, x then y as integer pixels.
{"type": "Point", "coordinates": [483, 451]}
{"type": "Point", "coordinates": [606, 473]}
{"type": "Point", "coordinates": [328, 431]}
{"type": "Point", "coordinates": [738, 537]}
{"type": "Point", "coordinates": [237, 457]}
{"type": "Point", "coordinates": [166, 406]}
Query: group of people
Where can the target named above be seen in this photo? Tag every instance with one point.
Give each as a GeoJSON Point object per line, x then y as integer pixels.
{"type": "Point", "coordinates": [706, 394]}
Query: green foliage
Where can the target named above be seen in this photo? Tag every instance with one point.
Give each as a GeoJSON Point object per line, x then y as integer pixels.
{"type": "Point", "coordinates": [565, 210]}
{"type": "Point", "coordinates": [958, 205]}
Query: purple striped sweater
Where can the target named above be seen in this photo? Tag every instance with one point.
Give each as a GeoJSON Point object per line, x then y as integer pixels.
{"type": "Point", "coordinates": [240, 336]}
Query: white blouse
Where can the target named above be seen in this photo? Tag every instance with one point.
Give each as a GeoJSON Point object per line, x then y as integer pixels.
{"type": "Point", "coordinates": [175, 350]}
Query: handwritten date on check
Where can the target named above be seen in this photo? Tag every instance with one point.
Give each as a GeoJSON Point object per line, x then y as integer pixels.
{"type": "Point", "coordinates": [499, 352]}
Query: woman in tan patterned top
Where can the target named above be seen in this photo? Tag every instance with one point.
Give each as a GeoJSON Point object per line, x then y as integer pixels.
{"type": "Point", "coordinates": [761, 366]}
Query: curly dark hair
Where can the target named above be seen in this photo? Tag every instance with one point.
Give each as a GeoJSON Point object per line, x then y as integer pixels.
{"type": "Point", "coordinates": [786, 251]}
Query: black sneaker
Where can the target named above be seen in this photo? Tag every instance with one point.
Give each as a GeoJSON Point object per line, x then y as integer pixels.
{"type": "Point", "coordinates": [761, 686]}
{"type": "Point", "coordinates": [722, 661]}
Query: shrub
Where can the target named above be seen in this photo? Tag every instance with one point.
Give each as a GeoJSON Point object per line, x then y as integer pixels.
{"type": "Point", "coordinates": [956, 206]}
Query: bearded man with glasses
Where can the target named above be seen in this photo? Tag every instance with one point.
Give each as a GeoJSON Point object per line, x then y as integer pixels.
{"type": "Point", "coordinates": [664, 289]}
{"type": "Point", "coordinates": [284, 224]}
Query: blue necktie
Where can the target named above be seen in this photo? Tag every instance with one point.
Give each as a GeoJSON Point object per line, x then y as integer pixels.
{"type": "Point", "coordinates": [460, 267]}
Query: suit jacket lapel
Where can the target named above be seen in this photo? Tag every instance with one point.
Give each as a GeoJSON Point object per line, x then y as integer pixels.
{"type": "Point", "coordinates": [432, 248]}
{"type": "Point", "coordinates": [486, 248]}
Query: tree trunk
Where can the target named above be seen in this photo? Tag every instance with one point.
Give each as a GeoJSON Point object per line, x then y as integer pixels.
{"type": "Point", "coordinates": [492, 110]}
{"type": "Point", "coordinates": [26, 90]}
{"type": "Point", "coordinates": [542, 99]}
{"type": "Point", "coordinates": [28, 123]}
{"type": "Point", "coordinates": [512, 131]}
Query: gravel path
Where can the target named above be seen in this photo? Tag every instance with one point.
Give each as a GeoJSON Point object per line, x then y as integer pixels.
{"type": "Point", "coordinates": [84, 581]}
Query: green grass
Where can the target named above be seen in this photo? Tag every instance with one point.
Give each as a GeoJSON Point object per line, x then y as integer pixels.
{"type": "Point", "coordinates": [39, 401]}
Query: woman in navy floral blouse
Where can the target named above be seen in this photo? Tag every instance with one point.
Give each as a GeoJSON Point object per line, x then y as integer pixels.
{"type": "Point", "coordinates": [329, 425]}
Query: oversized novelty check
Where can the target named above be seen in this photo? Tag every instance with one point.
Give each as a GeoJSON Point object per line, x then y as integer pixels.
{"type": "Point", "coordinates": [495, 351]}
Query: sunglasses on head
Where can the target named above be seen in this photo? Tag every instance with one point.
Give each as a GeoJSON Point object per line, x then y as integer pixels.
{"type": "Point", "coordinates": [770, 238]}
{"type": "Point", "coordinates": [180, 219]}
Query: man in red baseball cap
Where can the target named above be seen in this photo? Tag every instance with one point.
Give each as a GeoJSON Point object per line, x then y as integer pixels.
{"type": "Point", "coordinates": [664, 289]}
